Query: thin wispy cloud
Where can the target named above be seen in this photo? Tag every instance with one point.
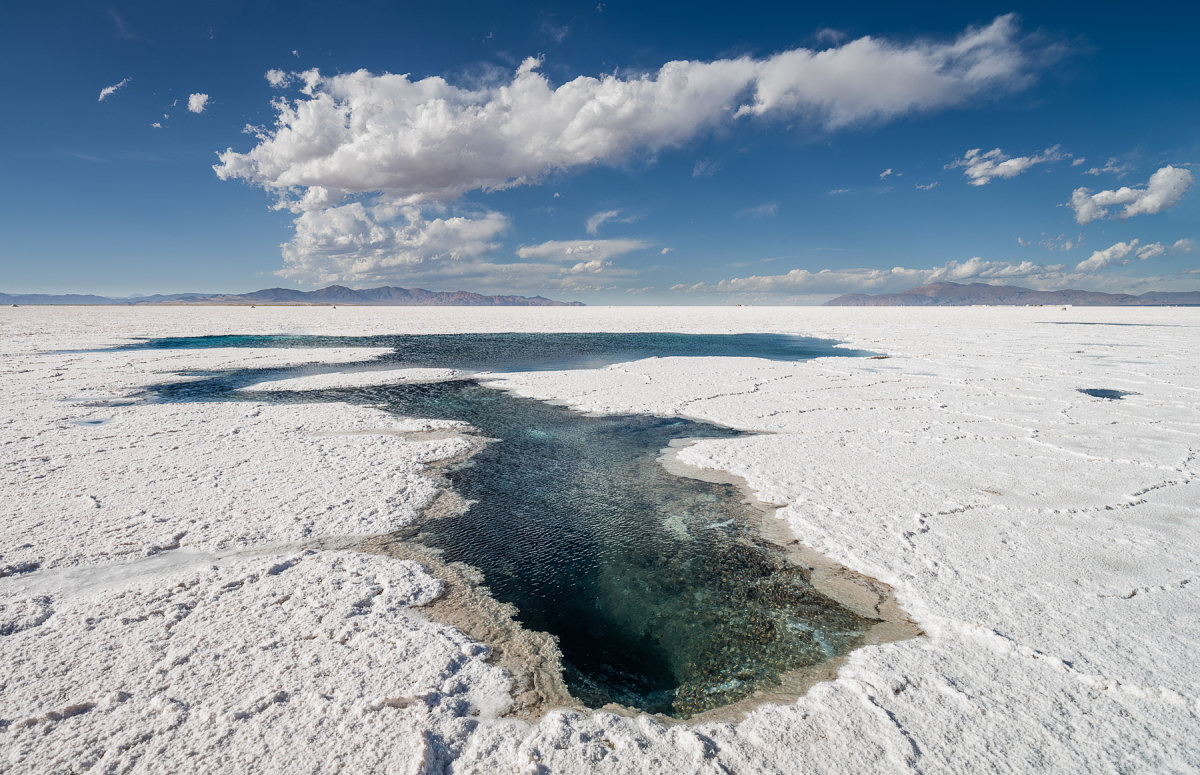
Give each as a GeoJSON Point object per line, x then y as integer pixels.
{"type": "Point", "coordinates": [764, 210]}
{"type": "Point", "coordinates": [605, 216]}
{"type": "Point", "coordinates": [108, 91]}
{"type": "Point", "coordinates": [1113, 166]}
{"type": "Point", "coordinates": [122, 31]}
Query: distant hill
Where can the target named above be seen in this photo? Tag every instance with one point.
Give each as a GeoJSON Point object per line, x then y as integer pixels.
{"type": "Point", "coordinates": [958, 295]}
{"type": "Point", "coordinates": [334, 294]}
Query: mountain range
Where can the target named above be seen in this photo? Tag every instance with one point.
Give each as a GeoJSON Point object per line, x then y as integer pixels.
{"type": "Point", "coordinates": [334, 294]}
{"type": "Point", "coordinates": [959, 294]}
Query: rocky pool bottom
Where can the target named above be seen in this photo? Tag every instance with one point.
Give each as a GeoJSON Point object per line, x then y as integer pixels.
{"type": "Point", "coordinates": [654, 590]}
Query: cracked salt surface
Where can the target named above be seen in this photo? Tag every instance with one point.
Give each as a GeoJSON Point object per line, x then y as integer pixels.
{"type": "Point", "coordinates": [571, 519]}
{"type": "Point", "coordinates": [1013, 516]}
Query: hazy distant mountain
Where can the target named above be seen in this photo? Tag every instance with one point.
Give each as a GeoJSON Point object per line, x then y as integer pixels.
{"type": "Point", "coordinates": [334, 294]}
{"type": "Point", "coordinates": [958, 294]}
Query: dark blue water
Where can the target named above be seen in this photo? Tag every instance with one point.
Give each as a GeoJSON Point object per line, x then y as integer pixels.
{"type": "Point", "coordinates": [659, 589]}
{"type": "Point", "coordinates": [532, 352]}
{"type": "Point", "coordinates": [1110, 394]}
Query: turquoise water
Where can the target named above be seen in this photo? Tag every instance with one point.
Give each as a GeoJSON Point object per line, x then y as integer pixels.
{"type": "Point", "coordinates": [659, 589]}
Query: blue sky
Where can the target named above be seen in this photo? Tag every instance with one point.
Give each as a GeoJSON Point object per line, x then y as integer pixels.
{"type": "Point", "coordinates": [609, 152]}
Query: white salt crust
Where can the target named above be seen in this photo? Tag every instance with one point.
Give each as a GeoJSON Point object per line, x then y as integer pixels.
{"type": "Point", "coordinates": [172, 602]}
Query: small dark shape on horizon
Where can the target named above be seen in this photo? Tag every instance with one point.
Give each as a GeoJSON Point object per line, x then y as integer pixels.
{"type": "Point", "coordinates": [959, 295]}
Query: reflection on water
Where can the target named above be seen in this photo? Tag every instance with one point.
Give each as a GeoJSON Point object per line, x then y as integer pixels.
{"type": "Point", "coordinates": [660, 591]}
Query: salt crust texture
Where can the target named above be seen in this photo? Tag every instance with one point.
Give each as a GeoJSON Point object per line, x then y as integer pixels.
{"type": "Point", "coordinates": [174, 599]}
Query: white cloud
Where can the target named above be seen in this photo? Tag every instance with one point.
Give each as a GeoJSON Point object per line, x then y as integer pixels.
{"type": "Point", "coordinates": [600, 218]}
{"type": "Point", "coordinates": [1113, 166]}
{"type": "Point", "coordinates": [836, 191]}
{"type": "Point", "coordinates": [883, 175]}
{"type": "Point", "coordinates": [1026, 273]}
{"type": "Point", "coordinates": [594, 222]}
{"type": "Point", "coordinates": [580, 252]}
{"type": "Point", "coordinates": [278, 78]}
{"type": "Point", "coordinates": [927, 186]}
{"type": "Point", "coordinates": [981, 167]}
{"type": "Point", "coordinates": [705, 168]}
{"type": "Point", "coordinates": [870, 80]}
{"type": "Point", "coordinates": [197, 102]}
{"type": "Point", "coordinates": [1163, 190]}
{"type": "Point", "coordinates": [1062, 243]}
{"type": "Point", "coordinates": [882, 280]}
{"type": "Point", "coordinates": [764, 210]}
{"type": "Point", "coordinates": [382, 243]}
{"type": "Point", "coordinates": [107, 91]}
{"type": "Point", "coordinates": [1114, 254]}
{"type": "Point", "coordinates": [429, 139]}
{"type": "Point", "coordinates": [1119, 253]}
{"type": "Point", "coordinates": [157, 125]}
{"type": "Point", "coordinates": [665, 251]}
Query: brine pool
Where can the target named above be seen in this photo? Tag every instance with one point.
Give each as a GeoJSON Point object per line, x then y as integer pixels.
{"type": "Point", "coordinates": [661, 590]}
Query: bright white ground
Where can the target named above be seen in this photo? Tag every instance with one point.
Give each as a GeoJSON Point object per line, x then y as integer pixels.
{"type": "Point", "coordinates": [173, 597]}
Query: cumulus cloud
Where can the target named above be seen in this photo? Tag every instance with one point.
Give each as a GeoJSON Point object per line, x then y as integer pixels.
{"type": "Point", "coordinates": [869, 80]}
{"type": "Point", "coordinates": [428, 139]}
{"type": "Point", "coordinates": [980, 168]}
{"type": "Point", "coordinates": [1118, 254]}
{"type": "Point", "coordinates": [1100, 259]}
{"type": "Point", "coordinates": [197, 102]}
{"type": "Point", "coordinates": [278, 78]}
{"type": "Point", "coordinates": [108, 91]}
{"type": "Point", "coordinates": [1163, 190]}
{"type": "Point", "coordinates": [382, 243]}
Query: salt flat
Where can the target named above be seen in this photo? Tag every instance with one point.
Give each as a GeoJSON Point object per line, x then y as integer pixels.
{"type": "Point", "coordinates": [177, 593]}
